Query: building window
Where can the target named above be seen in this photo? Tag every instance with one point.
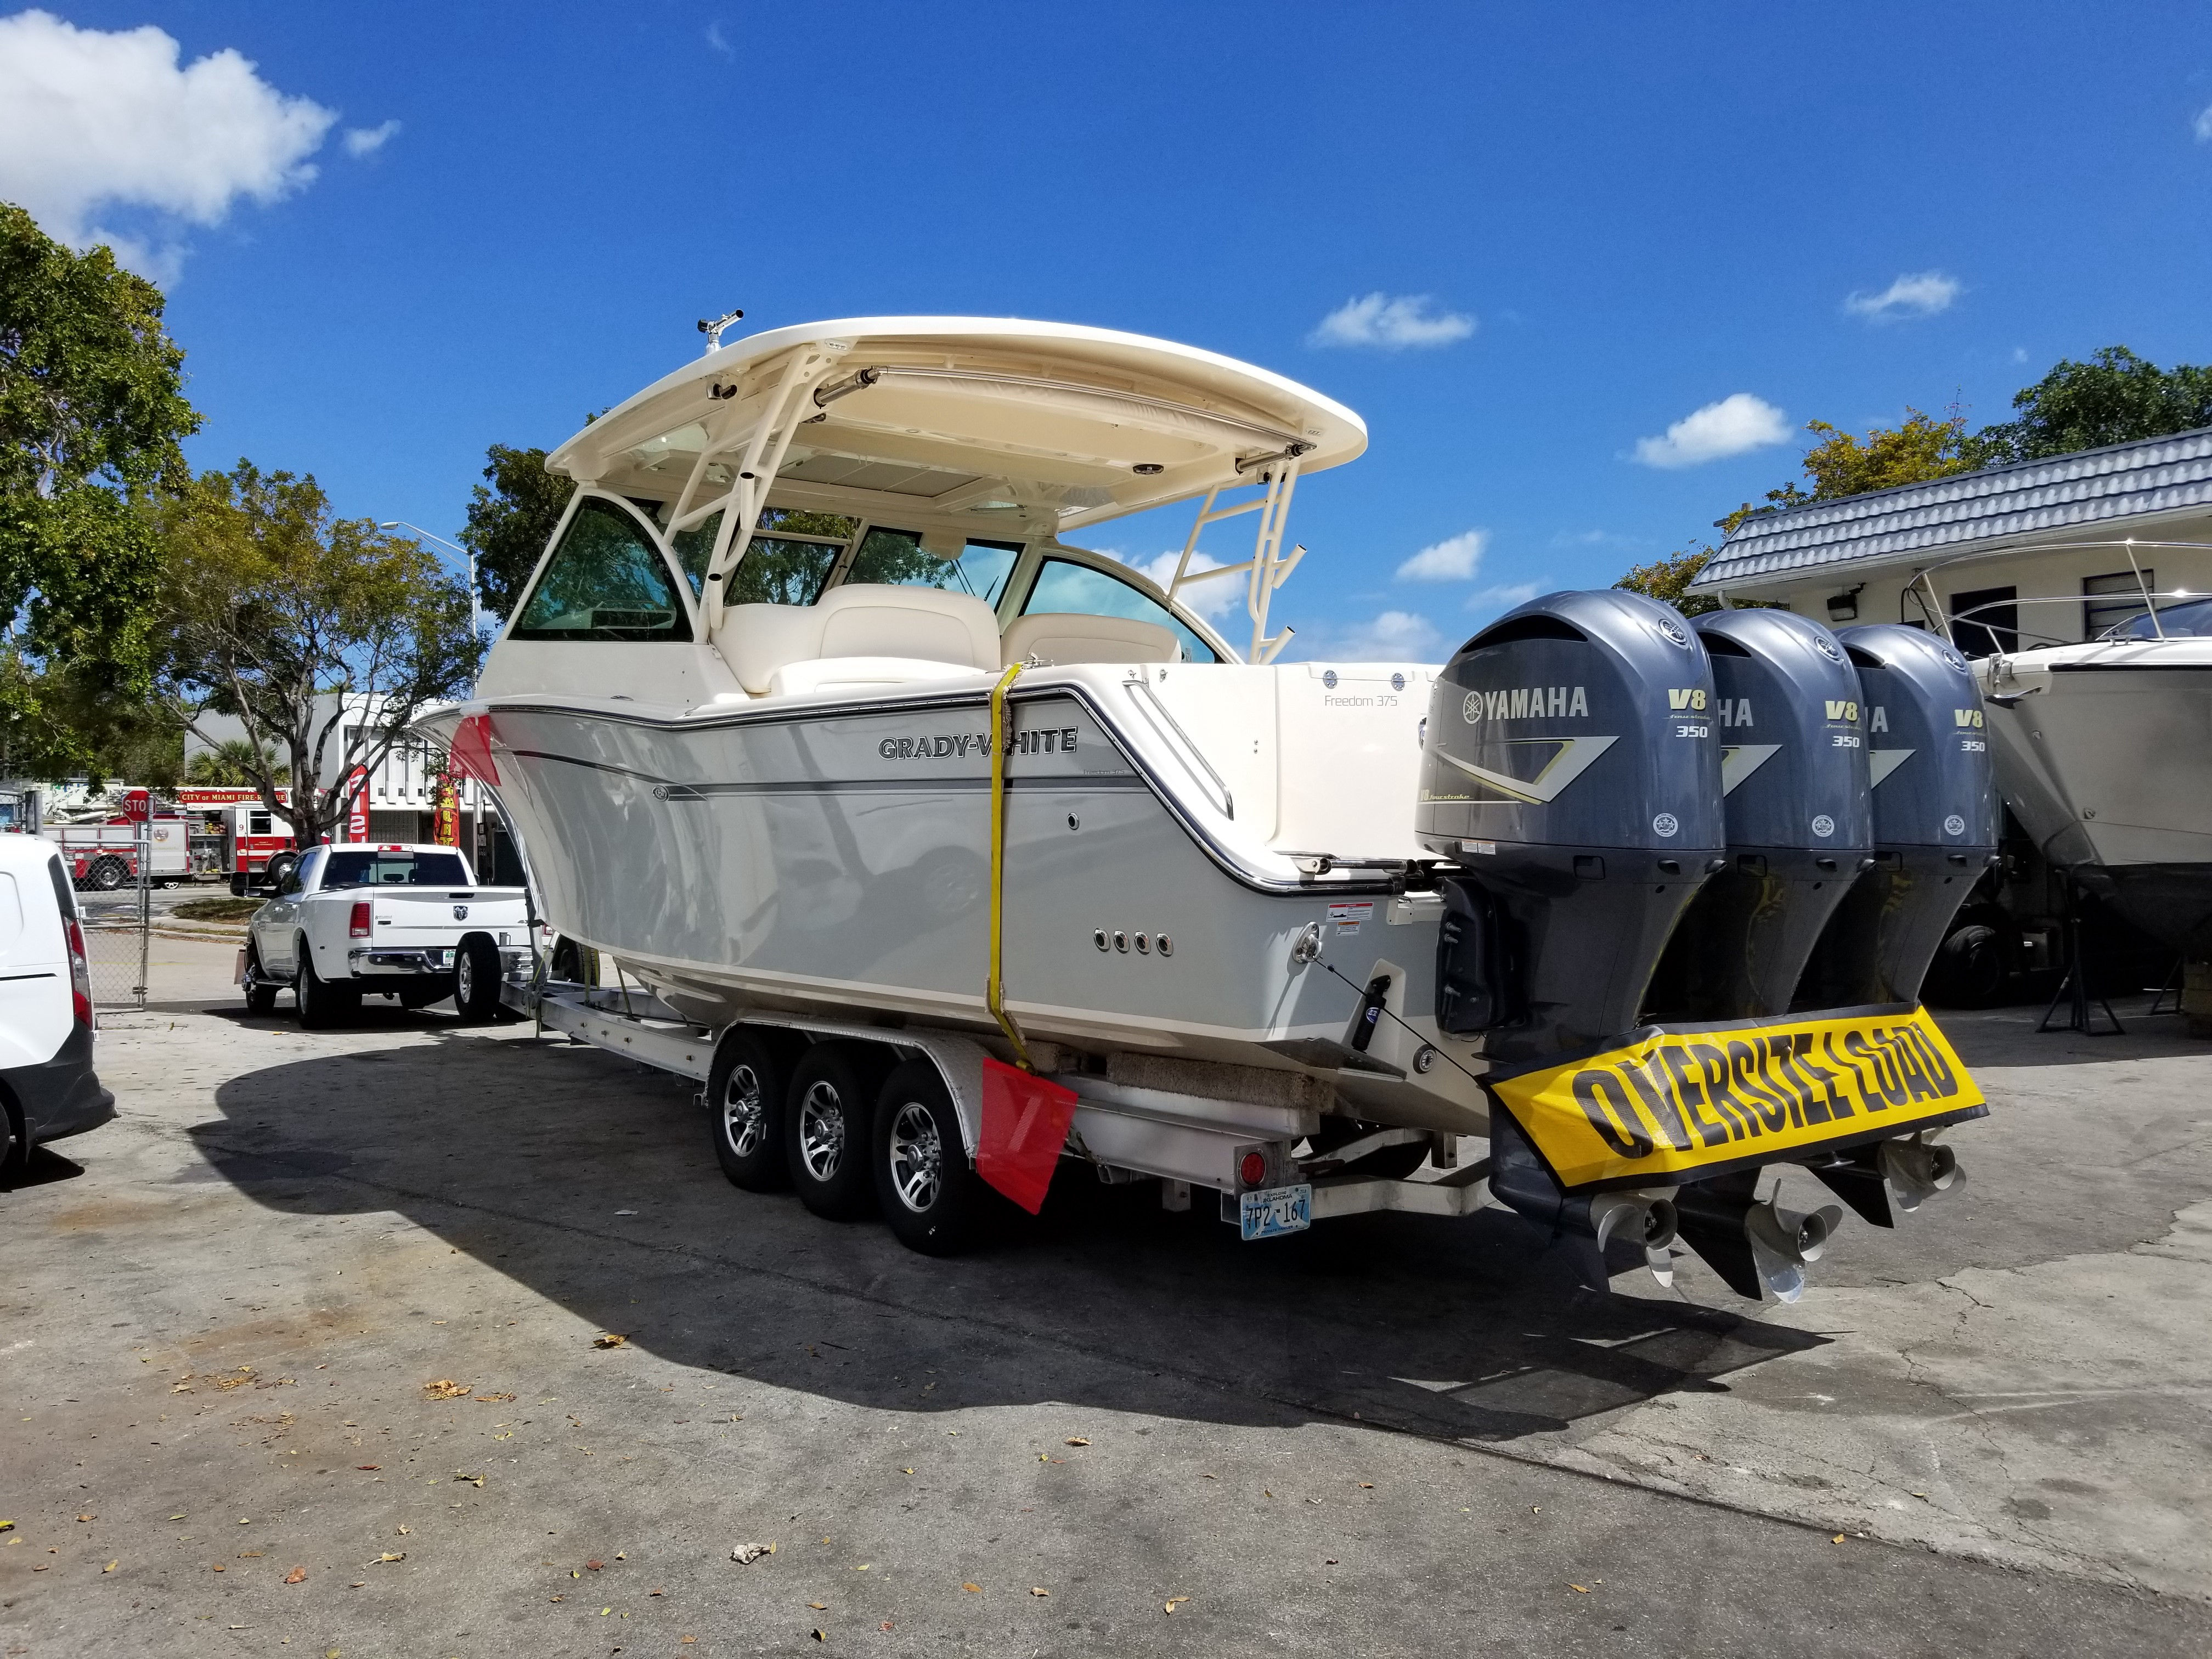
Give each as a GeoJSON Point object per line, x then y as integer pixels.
{"type": "Point", "coordinates": [2100, 616]}
{"type": "Point", "coordinates": [1986, 620]}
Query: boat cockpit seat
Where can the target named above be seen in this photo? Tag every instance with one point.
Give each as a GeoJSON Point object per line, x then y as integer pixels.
{"type": "Point", "coordinates": [865, 634]}
{"type": "Point", "coordinates": [1065, 636]}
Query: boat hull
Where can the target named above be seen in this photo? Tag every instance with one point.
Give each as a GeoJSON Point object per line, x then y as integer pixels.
{"type": "Point", "coordinates": [2108, 764]}
{"type": "Point", "coordinates": [834, 861]}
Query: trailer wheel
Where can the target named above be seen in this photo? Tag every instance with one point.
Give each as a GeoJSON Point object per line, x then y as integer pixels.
{"type": "Point", "coordinates": [322, 1005]}
{"type": "Point", "coordinates": [829, 1113]}
{"type": "Point", "coordinates": [1971, 967]}
{"type": "Point", "coordinates": [746, 1088]}
{"type": "Point", "coordinates": [260, 990]}
{"type": "Point", "coordinates": [476, 980]}
{"type": "Point", "coordinates": [931, 1198]}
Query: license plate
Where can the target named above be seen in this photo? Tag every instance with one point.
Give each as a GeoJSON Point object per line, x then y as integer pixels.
{"type": "Point", "coordinates": [1277, 1211]}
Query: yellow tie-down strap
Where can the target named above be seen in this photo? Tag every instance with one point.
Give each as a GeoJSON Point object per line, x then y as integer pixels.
{"type": "Point", "coordinates": [1691, 1102]}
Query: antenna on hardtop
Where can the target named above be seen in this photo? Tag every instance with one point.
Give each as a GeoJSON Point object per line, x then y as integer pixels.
{"type": "Point", "coordinates": [713, 329]}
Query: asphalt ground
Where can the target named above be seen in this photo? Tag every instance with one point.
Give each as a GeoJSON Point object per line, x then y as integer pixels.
{"type": "Point", "coordinates": [1983, 1433]}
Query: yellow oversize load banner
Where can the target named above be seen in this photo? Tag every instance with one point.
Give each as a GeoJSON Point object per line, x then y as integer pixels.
{"type": "Point", "coordinates": [1695, 1101]}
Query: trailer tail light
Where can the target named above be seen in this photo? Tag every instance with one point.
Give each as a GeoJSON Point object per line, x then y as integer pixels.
{"type": "Point", "coordinates": [80, 976]}
{"type": "Point", "coordinates": [359, 926]}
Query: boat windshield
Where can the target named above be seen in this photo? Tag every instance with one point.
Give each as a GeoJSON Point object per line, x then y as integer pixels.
{"type": "Point", "coordinates": [2192, 620]}
{"type": "Point", "coordinates": [897, 558]}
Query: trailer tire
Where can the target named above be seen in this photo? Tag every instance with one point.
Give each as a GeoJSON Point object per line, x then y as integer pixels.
{"type": "Point", "coordinates": [829, 1123]}
{"type": "Point", "coordinates": [476, 980]}
{"type": "Point", "coordinates": [1971, 967]}
{"type": "Point", "coordinates": [260, 990]}
{"type": "Point", "coordinates": [932, 1198]}
{"type": "Point", "coordinates": [746, 1088]}
{"type": "Point", "coordinates": [321, 1004]}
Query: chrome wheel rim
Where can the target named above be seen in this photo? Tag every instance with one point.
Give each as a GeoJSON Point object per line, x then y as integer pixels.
{"type": "Point", "coordinates": [917, 1156]}
{"type": "Point", "coordinates": [743, 1113]}
{"type": "Point", "coordinates": [464, 979]}
{"type": "Point", "coordinates": [821, 1130]}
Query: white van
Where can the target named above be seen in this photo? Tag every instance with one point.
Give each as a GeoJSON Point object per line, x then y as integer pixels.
{"type": "Point", "coordinates": [47, 1086]}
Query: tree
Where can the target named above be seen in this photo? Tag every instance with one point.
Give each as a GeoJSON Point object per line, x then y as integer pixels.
{"type": "Point", "coordinates": [2115, 398]}
{"type": "Point", "coordinates": [324, 637]}
{"type": "Point", "coordinates": [1667, 581]}
{"type": "Point", "coordinates": [510, 523]}
{"type": "Point", "coordinates": [91, 407]}
{"type": "Point", "coordinates": [232, 762]}
{"type": "Point", "coordinates": [1913, 451]}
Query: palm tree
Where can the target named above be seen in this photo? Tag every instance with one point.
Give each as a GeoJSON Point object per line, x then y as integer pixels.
{"type": "Point", "coordinates": [227, 762]}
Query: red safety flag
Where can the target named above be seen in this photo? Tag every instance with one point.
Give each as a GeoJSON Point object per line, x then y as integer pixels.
{"type": "Point", "coordinates": [1025, 1122]}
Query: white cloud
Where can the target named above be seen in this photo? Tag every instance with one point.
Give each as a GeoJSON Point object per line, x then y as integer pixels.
{"type": "Point", "coordinates": [1391, 324]}
{"type": "Point", "coordinates": [2203, 125]}
{"type": "Point", "coordinates": [1212, 600]}
{"type": "Point", "coordinates": [367, 140]}
{"type": "Point", "coordinates": [718, 41]}
{"type": "Point", "coordinates": [1453, 560]}
{"type": "Point", "coordinates": [1503, 599]}
{"type": "Point", "coordinates": [91, 120]}
{"type": "Point", "coordinates": [1736, 423]}
{"type": "Point", "coordinates": [1920, 294]}
{"type": "Point", "coordinates": [1393, 636]}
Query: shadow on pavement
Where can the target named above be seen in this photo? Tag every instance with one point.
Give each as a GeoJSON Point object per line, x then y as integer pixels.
{"type": "Point", "coordinates": [526, 1155]}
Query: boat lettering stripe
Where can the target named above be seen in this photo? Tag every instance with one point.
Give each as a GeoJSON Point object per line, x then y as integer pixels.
{"type": "Point", "coordinates": [923, 786]}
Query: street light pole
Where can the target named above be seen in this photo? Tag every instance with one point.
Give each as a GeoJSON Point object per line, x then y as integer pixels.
{"type": "Point", "coordinates": [476, 609]}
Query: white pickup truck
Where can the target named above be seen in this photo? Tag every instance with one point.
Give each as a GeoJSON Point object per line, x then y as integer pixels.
{"type": "Point", "coordinates": [406, 922]}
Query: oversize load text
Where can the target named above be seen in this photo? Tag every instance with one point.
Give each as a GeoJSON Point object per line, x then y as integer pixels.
{"type": "Point", "coordinates": [1677, 1100]}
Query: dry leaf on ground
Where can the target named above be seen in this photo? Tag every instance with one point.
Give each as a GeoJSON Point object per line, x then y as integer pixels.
{"type": "Point", "coordinates": [390, 1555]}
{"type": "Point", "coordinates": [1579, 1589]}
{"type": "Point", "coordinates": [819, 1607]}
{"type": "Point", "coordinates": [297, 1575]}
{"type": "Point", "coordinates": [1039, 1589]}
{"type": "Point", "coordinates": [594, 1566]}
{"type": "Point", "coordinates": [492, 1398]}
{"type": "Point", "coordinates": [1175, 1601]}
{"type": "Point", "coordinates": [745, 1553]}
{"type": "Point", "coordinates": [473, 1479]}
{"type": "Point", "coordinates": [446, 1389]}
{"type": "Point", "coordinates": [612, 1340]}
{"type": "Point", "coordinates": [1077, 1440]}
{"type": "Point", "coordinates": [973, 1589]}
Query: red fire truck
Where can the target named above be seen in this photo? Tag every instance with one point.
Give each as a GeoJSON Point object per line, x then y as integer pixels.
{"type": "Point", "coordinates": [238, 836]}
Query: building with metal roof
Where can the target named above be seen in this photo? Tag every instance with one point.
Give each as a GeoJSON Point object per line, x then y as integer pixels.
{"type": "Point", "coordinates": [2083, 537]}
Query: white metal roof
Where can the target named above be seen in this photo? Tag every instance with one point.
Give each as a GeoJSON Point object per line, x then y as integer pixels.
{"type": "Point", "coordinates": [970, 414]}
{"type": "Point", "coordinates": [1914, 523]}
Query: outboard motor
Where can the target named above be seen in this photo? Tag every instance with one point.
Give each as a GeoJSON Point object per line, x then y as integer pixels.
{"type": "Point", "coordinates": [1799, 823]}
{"type": "Point", "coordinates": [1572, 772]}
{"type": "Point", "coordinates": [1934, 819]}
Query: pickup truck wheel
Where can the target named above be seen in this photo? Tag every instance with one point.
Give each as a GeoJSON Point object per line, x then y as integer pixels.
{"type": "Point", "coordinates": [932, 1199]}
{"type": "Point", "coordinates": [829, 1115]}
{"type": "Point", "coordinates": [322, 1005]}
{"type": "Point", "coordinates": [476, 980]}
{"type": "Point", "coordinates": [745, 1091]}
{"type": "Point", "coordinates": [260, 991]}
{"type": "Point", "coordinates": [15, 1145]}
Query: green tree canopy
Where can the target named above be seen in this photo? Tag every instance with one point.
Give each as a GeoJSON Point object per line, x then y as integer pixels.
{"type": "Point", "coordinates": [2115, 398]}
{"type": "Point", "coordinates": [91, 407]}
{"type": "Point", "coordinates": [510, 523]}
{"type": "Point", "coordinates": [324, 636]}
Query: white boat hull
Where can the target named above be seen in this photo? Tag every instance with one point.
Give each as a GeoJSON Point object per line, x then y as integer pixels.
{"type": "Point", "coordinates": [2103, 753]}
{"type": "Point", "coordinates": [833, 859]}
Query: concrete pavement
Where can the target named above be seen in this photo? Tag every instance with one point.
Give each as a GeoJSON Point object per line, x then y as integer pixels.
{"type": "Point", "coordinates": [1391, 1436]}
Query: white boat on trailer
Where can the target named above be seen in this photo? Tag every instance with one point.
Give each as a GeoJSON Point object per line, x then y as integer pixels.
{"type": "Point", "coordinates": [948, 851]}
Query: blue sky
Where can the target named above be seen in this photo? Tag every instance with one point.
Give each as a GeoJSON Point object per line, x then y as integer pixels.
{"type": "Point", "coordinates": [1640, 213]}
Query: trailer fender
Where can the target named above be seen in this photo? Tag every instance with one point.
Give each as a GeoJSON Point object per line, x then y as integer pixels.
{"type": "Point", "coordinates": [959, 1061]}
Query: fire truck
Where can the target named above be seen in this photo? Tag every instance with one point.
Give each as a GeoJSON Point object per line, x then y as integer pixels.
{"type": "Point", "coordinates": [236, 835]}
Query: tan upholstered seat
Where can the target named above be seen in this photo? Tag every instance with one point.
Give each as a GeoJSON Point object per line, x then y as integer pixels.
{"type": "Point", "coordinates": [1059, 637]}
{"type": "Point", "coordinates": [767, 645]}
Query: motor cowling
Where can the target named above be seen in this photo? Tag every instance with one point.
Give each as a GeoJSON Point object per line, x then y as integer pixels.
{"type": "Point", "coordinates": [1797, 811]}
{"type": "Point", "coordinates": [1935, 818]}
{"type": "Point", "coordinates": [1570, 770]}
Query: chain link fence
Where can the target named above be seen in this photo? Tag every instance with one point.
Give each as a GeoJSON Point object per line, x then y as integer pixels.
{"type": "Point", "coordinates": [119, 932]}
